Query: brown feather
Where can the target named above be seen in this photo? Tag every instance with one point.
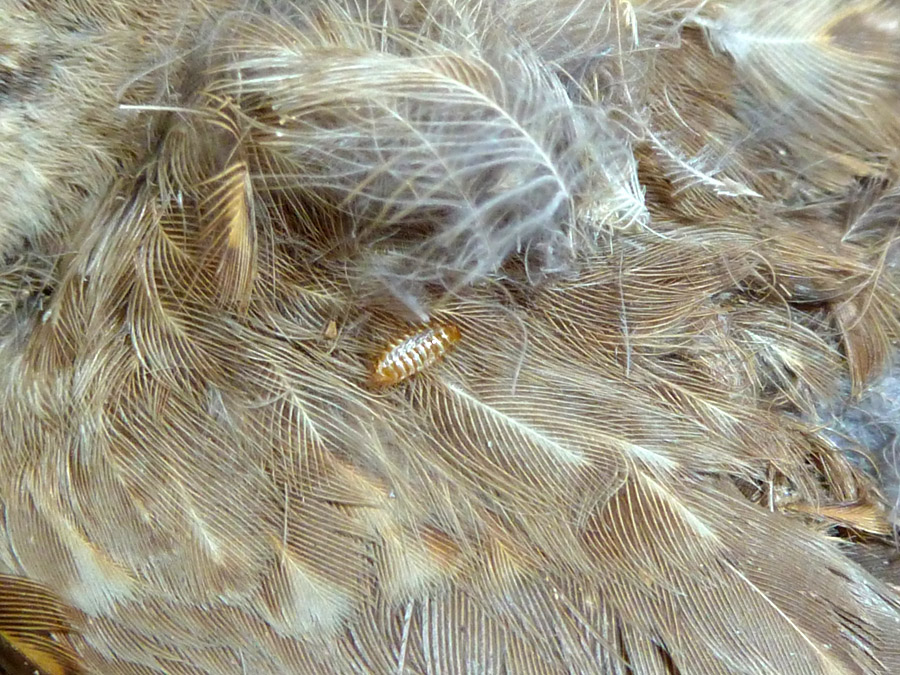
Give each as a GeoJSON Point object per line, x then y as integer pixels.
{"type": "Point", "coordinates": [33, 626]}
{"type": "Point", "coordinates": [664, 228]}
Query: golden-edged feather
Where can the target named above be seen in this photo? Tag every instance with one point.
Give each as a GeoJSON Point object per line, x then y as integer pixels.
{"type": "Point", "coordinates": [33, 628]}
{"type": "Point", "coordinates": [229, 231]}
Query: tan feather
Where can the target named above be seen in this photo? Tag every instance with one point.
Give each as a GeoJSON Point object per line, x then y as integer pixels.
{"type": "Point", "coordinates": [826, 62]}
{"type": "Point", "coordinates": [865, 518]}
{"type": "Point", "coordinates": [837, 57]}
{"type": "Point", "coordinates": [621, 467]}
{"type": "Point", "coordinates": [868, 343]}
{"type": "Point", "coordinates": [230, 232]}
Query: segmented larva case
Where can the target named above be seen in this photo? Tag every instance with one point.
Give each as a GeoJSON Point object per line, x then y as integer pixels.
{"type": "Point", "coordinates": [414, 352]}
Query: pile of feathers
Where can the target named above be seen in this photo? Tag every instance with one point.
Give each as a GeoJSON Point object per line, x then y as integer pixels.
{"type": "Point", "coordinates": [449, 336]}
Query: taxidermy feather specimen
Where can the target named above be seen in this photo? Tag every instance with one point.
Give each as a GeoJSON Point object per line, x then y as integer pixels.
{"type": "Point", "coordinates": [449, 336]}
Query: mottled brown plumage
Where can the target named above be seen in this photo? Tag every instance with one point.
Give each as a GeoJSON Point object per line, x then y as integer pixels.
{"type": "Point", "coordinates": [667, 230]}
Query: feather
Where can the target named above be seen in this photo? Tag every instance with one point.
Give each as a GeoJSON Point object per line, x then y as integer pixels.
{"type": "Point", "coordinates": [816, 80]}
{"type": "Point", "coordinates": [397, 132]}
{"type": "Point", "coordinates": [836, 57]}
{"type": "Point", "coordinates": [230, 231]}
{"type": "Point", "coordinates": [32, 626]}
{"type": "Point", "coordinates": [867, 518]}
{"type": "Point", "coordinates": [657, 300]}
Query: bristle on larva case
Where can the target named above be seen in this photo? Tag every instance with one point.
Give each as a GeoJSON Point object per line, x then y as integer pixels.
{"type": "Point", "coordinates": [414, 352]}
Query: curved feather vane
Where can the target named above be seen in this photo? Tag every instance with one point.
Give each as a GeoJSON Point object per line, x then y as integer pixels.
{"type": "Point", "coordinates": [835, 56]}
{"type": "Point", "coordinates": [32, 623]}
{"type": "Point", "coordinates": [819, 78]}
{"type": "Point", "coordinates": [625, 465]}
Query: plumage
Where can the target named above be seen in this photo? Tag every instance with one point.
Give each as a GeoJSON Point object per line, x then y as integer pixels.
{"type": "Point", "coordinates": [659, 238]}
{"type": "Point", "coordinates": [33, 625]}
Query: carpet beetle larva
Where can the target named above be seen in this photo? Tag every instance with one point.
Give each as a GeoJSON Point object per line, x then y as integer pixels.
{"type": "Point", "coordinates": [413, 352]}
